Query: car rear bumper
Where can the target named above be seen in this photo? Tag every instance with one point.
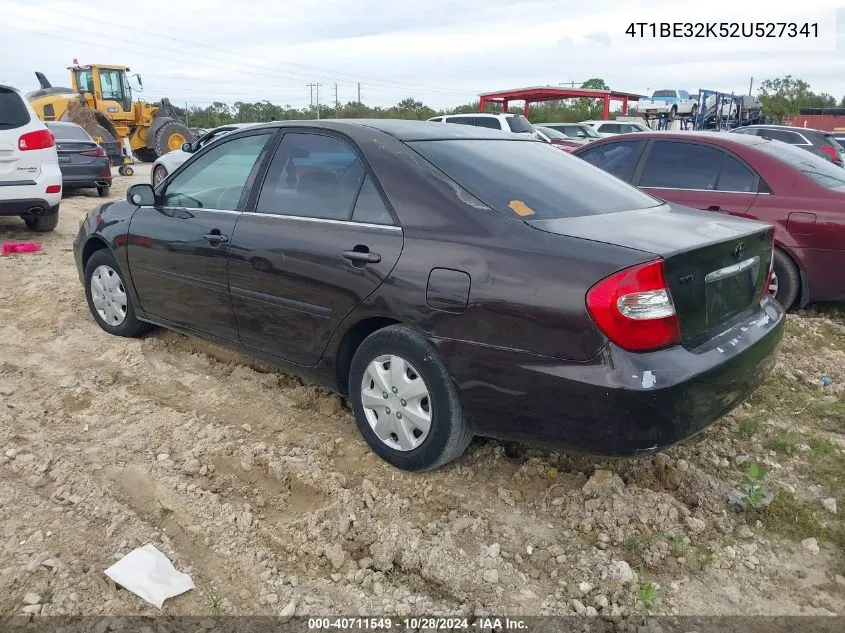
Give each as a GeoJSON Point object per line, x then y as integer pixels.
{"type": "Point", "coordinates": [94, 174]}
{"type": "Point", "coordinates": [28, 207]}
{"type": "Point", "coordinates": [620, 404]}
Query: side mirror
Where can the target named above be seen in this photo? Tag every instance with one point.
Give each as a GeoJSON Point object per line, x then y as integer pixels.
{"type": "Point", "coordinates": [141, 195]}
{"type": "Point", "coordinates": [187, 147]}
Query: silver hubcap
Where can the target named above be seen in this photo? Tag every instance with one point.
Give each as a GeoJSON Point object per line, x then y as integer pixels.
{"type": "Point", "coordinates": [773, 284]}
{"type": "Point", "coordinates": [108, 295]}
{"type": "Point", "coordinates": [396, 402]}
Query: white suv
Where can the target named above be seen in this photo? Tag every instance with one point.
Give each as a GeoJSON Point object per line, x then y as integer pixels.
{"type": "Point", "coordinates": [30, 179]}
{"type": "Point", "coordinates": [515, 123]}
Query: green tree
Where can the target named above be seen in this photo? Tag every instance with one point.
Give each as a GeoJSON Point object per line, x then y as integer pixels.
{"type": "Point", "coordinates": [787, 95]}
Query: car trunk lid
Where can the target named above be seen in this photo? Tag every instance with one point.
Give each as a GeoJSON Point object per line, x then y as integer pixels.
{"type": "Point", "coordinates": [716, 267]}
{"type": "Point", "coordinates": [75, 152]}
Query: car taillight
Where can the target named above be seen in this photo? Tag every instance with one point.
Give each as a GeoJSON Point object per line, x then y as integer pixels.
{"type": "Point", "coordinates": [830, 151]}
{"type": "Point", "coordinates": [95, 152]}
{"type": "Point", "coordinates": [54, 189]}
{"type": "Point", "coordinates": [768, 285]}
{"type": "Point", "coordinates": [633, 308]}
{"type": "Point", "coordinates": [40, 139]}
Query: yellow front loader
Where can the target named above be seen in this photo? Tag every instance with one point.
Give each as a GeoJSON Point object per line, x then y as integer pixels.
{"type": "Point", "coordinates": [100, 100]}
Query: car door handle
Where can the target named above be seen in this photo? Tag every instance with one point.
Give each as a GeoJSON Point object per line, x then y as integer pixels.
{"type": "Point", "coordinates": [362, 256]}
{"type": "Point", "coordinates": [216, 238]}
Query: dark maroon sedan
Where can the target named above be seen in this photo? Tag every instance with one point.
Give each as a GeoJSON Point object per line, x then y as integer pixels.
{"type": "Point", "coordinates": [450, 281]}
{"type": "Point", "coordinates": [801, 194]}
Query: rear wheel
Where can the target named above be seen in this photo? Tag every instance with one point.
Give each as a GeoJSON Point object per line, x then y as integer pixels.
{"type": "Point", "coordinates": [673, 113]}
{"type": "Point", "coordinates": [171, 136]}
{"type": "Point", "coordinates": [103, 191]}
{"type": "Point", "coordinates": [43, 223]}
{"type": "Point", "coordinates": [405, 403]}
{"type": "Point", "coordinates": [786, 281]}
{"type": "Point", "coordinates": [108, 299]}
{"type": "Point", "coordinates": [146, 155]}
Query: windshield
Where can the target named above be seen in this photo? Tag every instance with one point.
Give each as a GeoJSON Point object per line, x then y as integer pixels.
{"type": "Point", "coordinates": [519, 123]}
{"type": "Point", "coordinates": [526, 178]}
{"type": "Point", "coordinates": [821, 170]}
{"type": "Point", "coordinates": [553, 133]}
{"type": "Point", "coordinates": [664, 93]}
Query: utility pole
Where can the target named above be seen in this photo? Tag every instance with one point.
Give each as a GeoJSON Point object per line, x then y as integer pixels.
{"type": "Point", "coordinates": [750, 86]}
{"type": "Point", "coordinates": [311, 90]}
{"type": "Point", "coordinates": [359, 93]}
{"type": "Point", "coordinates": [336, 101]}
{"type": "Point", "coordinates": [317, 87]}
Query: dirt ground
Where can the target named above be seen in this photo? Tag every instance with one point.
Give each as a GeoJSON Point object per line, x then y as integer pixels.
{"type": "Point", "coordinates": [259, 486]}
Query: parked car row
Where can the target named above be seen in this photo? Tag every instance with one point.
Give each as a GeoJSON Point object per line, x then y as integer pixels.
{"type": "Point", "coordinates": [802, 195]}
{"type": "Point", "coordinates": [39, 161]}
{"type": "Point", "coordinates": [450, 281]}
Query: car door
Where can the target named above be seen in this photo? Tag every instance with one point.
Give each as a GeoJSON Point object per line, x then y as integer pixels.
{"type": "Point", "coordinates": [317, 241]}
{"type": "Point", "coordinates": [697, 175]}
{"type": "Point", "coordinates": [178, 249]}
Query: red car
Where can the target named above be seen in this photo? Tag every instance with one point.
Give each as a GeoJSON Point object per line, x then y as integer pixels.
{"type": "Point", "coordinates": [801, 194]}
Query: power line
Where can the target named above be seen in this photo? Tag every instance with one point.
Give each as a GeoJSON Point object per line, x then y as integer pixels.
{"type": "Point", "coordinates": [279, 73]}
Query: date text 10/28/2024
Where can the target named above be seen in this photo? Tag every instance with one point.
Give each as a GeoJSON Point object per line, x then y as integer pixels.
{"type": "Point", "coordinates": [723, 30]}
{"type": "Point", "coordinates": [414, 624]}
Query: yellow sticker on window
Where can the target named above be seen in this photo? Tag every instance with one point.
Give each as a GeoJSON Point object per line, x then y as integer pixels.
{"type": "Point", "coordinates": [520, 208]}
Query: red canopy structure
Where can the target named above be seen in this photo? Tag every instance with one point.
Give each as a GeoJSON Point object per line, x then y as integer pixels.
{"type": "Point", "coordinates": [538, 94]}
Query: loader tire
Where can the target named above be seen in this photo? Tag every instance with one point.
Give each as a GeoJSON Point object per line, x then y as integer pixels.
{"type": "Point", "coordinates": [171, 136]}
{"type": "Point", "coordinates": [146, 155]}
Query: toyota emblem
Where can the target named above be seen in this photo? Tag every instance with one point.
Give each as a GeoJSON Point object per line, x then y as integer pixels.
{"type": "Point", "coordinates": [739, 251]}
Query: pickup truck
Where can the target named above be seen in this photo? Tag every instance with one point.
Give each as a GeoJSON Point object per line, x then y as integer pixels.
{"type": "Point", "coordinates": [671, 102]}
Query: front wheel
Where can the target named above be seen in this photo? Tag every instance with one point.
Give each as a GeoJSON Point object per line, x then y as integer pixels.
{"type": "Point", "coordinates": [108, 300]}
{"type": "Point", "coordinates": [405, 403]}
{"type": "Point", "coordinates": [159, 174]}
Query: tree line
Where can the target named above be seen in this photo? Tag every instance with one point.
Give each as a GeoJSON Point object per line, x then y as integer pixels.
{"type": "Point", "coordinates": [780, 97]}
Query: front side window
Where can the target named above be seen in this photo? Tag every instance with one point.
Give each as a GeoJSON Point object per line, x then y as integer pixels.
{"type": "Point", "coordinates": [111, 85]}
{"type": "Point", "coordinates": [783, 135]}
{"type": "Point", "coordinates": [672, 165]}
{"type": "Point", "coordinates": [530, 180]}
{"type": "Point", "coordinates": [461, 120]}
{"type": "Point", "coordinates": [216, 180]}
{"type": "Point", "coordinates": [313, 176]}
{"type": "Point", "coordinates": [488, 122]}
{"type": "Point", "coordinates": [619, 159]}
{"type": "Point", "coordinates": [84, 81]}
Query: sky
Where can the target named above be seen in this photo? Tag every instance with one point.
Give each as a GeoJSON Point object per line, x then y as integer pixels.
{"type": "Point", "coordinates": [441, 52]}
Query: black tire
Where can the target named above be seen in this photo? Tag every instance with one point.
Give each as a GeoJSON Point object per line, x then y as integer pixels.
{"type": "Point", "coordinates": [449, 434]}
{"type": "Point", "coordinates": [161, 145]}
{"type": "Point", "coordinates": [130, 326]}
{"type": "Point", "coordinates": [159, 174]}
{"type": "Point", "coordinates": [788, 279]}
{"type": "Point", "coordinates": [103, 191]}
{"type": "Point", "coordinates": [673, 113]}
{"type": "Point", "coordinates": [145, 155]}
{"type": "Point", "coordinates": [694, 110]}
{"type": "Point", "coordinates": [43, 223]}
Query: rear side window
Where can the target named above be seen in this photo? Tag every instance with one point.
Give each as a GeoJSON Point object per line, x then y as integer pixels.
{"type": "Point", "coordinates": [672, 165]}
{"type": "Point", "coordinates": [13, 112]}
{"type": "Point", "coordinates": [461, 120]}
{"type": "Point", "coordinates": [737, 177]}
{"type": "Point", "coordinates": [488, 121]}
{"type": "Point", "coordinates": [609, 128]}
{"type": "Point", "coordinates": [786, 136]}
{"type": "Point", "coordinates": [519, 124]}
{"type": "Point", "coordinates": [436, 119]}
{"type": "Point", "coordinates": [619, 159]}
{"type": "Point", "coordinates": [750, 131]}
{"type": "Point", "coordinates": [369, 207]}
{"type": "Point", "coordinates": [531, 179]}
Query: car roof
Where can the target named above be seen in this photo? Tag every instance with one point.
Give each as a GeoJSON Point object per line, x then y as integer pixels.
{"type": "Point", "coordinates": [720, 137]}
{"type": "Point", "coordinates": [407, 130]}
{"type": "Point", "coordinates": [793, 128]}
{"type": "Point", "coordinates": [477, 114]}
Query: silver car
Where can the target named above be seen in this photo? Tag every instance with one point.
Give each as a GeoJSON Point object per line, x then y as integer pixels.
{"type": "Point", "coordinates": [170, 162]}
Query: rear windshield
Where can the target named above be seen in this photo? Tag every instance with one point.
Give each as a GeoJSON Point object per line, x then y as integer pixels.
{"type": "Point", "coordinates": [69, 132]}
{"type": "Point", "coordinates": [664, 93]}
{"type": "Point", "coordinates": [519, 124]}
{"type": "Point", "coordinates": [531, 179]}
{"type": "Point", "coordinates": [13, 112]}
{"type": "Point", "coordinates": [821, 170]}
{"type": "Point", "coordinates": [835, 142]}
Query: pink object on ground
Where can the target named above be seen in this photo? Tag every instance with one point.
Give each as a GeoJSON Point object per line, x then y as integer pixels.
{"type": "Point", "coordinates": [20, 247]}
